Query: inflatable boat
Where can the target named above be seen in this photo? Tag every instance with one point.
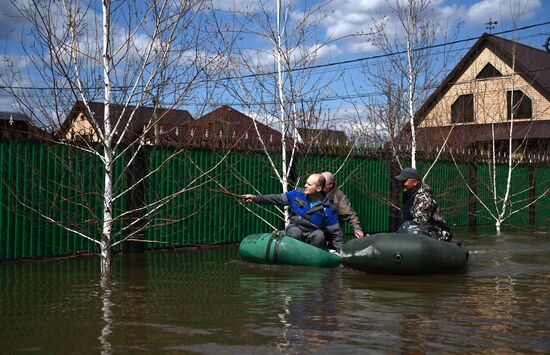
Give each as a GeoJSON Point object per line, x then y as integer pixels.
{"type": "Point", "coordinates": [268, 248]}
{"type": "Point", "coordinates": [404, 253]}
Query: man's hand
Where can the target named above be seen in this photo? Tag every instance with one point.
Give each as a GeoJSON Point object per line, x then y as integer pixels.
{"type": "Point", "coordinates": [248, 198]}
{"type": "Point", "coordinates": [359, 233]}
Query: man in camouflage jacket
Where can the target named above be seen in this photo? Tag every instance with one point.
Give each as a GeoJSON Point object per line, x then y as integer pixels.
{"type": "Point", "coordinates": [419, 205]}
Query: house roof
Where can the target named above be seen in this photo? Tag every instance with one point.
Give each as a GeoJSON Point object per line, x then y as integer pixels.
{"type": "Point", "coordinates": [229, 126]}
{"type": "Point", "coordinates": [166, 117]}
{"type": "Point", "coordinates": [18, 126]}
{"type": "Point", "coordinates": [466, 135]}
{"type": "Point", "coordinates": [531, 63]}
{"type": "Point", "coordinates": [311, 135]}
{"type": "Point", "coordinates": [15, 116]}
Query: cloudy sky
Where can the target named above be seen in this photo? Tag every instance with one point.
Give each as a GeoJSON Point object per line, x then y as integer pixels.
{"type": "Point", "coordinates": [347, 17]}
{"type": "Point", "coordinates": [345, 20]}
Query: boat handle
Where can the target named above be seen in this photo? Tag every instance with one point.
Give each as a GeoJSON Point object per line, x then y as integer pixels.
{"type": "Point", "coordinates": [397, 257]}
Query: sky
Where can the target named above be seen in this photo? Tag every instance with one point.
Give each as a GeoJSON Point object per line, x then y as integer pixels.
{"type": "Point", "coordinates": [344, 27]}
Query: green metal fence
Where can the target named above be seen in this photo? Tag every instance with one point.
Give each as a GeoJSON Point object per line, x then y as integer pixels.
{"type": "Point", "coordinates": [450, 186]}
{"type": "Point", "coordinates": [45, 188]}
{"type": "Point", "coordinates": [542, 205]}
{"type": "Point", "coordinates": [519, 193]}
{"type": "Point", "coordinates": [365, 182]}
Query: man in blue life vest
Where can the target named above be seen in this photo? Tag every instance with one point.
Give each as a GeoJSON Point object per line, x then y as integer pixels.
{"type": "Point", "coordinates": [420, 212]}
{"type": "Point", "coordinates": [311, 212]}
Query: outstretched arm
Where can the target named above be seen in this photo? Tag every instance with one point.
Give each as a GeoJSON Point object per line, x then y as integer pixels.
{"type": "Point", "coordinates": [275, 199]}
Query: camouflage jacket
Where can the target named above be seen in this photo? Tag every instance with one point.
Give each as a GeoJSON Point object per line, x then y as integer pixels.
{"type": "Point", "coordinates": [422, 208]}
{"type": "Point", "coordinates": [343, 207]}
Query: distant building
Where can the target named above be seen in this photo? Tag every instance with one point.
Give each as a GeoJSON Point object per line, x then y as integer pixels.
{"type": "Point", "coordinates": [228, 128]}
{"type": "Point", "coordinates": [322, 137]}
{"type": "Point", "coordinates": [15, 126]}
{"type": "Point", "coordinates": [496, 80]}
{"type": "Point", "coordinates": [153, 126]}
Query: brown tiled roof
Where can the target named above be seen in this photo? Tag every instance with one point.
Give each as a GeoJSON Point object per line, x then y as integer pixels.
{"type": "Point", "coordinates": [467, 135]}
{"type": "Point", "coordinates": [226, 127]}
{"type": "Point", "coordinates": [531, 63]}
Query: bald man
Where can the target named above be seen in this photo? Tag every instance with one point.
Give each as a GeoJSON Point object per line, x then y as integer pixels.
{"type": "Point", "coordinates": [311, 215]}
{"type": "Point", "coordinates": [341, 202]}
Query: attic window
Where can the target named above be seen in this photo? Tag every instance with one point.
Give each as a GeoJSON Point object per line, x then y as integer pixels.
{"type": "Point", "coordinates": [462, 110]}
{"type": "Point", "coordinates": [488, 71]}
{"type": "Point", "coordinates": [521, 104]}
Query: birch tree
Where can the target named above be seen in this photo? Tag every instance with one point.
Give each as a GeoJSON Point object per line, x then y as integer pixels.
{"type": "Point", "coordinates": [408, 72]}
{"type": "Point", "coordinates": [270, 82]}
{"type": "Point", "coordinates": [124, 53]}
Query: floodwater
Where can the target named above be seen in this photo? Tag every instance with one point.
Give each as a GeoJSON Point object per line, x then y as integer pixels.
{"type": "Point", "coordinates": [210, 302]}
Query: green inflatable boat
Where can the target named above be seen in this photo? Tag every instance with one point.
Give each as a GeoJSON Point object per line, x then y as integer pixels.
{"type": "Point", "coordinates": [268, 248]}
{"type": "Point", "coordinates": [403, 253]}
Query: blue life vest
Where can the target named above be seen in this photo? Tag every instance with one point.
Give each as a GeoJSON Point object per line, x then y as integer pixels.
{"type": "Point", "coordinates": [315, 212]}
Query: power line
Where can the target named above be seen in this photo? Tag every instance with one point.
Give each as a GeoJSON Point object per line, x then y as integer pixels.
{"type": "Point", "coordinates": [393, 53]}
{"type": "Point", "coordinates": [312, 67]}
{"type": "Point", "coordinates": [350, 97]}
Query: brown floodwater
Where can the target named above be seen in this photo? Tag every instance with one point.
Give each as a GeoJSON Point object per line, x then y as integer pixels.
{"type": "Point", "coordinates": [210, 302]}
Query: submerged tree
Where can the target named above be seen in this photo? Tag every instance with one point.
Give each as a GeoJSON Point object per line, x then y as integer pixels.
{"type": "Point", "coordinates": [123, 55]}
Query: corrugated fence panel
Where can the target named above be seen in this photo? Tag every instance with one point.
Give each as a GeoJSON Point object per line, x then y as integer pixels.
{"type": "Point", "coordinates": [201, 214]}
{"type": "Point", "coordinates": [450, 189]}
{"type": "Point", "coordinates": [519, 194]}
{"type": "Point", "coordinates": [365, 181]}
{"type": "Point", "coordinates": [186, 208]}
{"type": "Point", "coordinates": [376, 190]}
{"type": "Point", "coordinates": [51, 181]}
{"type": "Point", "coordinates": [542, 184]}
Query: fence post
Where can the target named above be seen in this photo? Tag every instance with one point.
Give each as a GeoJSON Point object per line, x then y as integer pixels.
{"type": "Point", "coordinates": [395, 194]}
{"type": "Point", "coordinates": [472, 202]}
{"type": "Point", "coordinates": [136, 200]}
{"type": "Point", "coordinates": [532, 195]}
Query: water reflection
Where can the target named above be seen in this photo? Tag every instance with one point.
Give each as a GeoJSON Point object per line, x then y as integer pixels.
{"type": "Point", "coordinates": [107, 314]}
{"type": "Point", "coordinates": [210, 302]}
{"type": "Point", "coordinates": [304, 299]}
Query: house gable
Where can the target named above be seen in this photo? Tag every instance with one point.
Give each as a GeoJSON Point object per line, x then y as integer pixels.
{"type": "Point", "coordinates": [80, 128]}
{"type": "Point", "coordinates": [490, 56]}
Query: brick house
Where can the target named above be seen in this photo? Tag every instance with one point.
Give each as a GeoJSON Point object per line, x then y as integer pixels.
{"type": "Point", "coordinates": [496, 81]}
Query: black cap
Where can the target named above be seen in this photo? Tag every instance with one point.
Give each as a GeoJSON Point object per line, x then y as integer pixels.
{"type": "Point", "coordinates": [408, 173]}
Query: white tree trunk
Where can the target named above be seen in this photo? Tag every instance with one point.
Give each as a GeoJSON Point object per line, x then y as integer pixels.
{"type": "Point", "coordinates": [412, 81]}
{"type": "Point", "coordinates": [106, 235]}
{"type": "Point", "coordinates": [281, 102]}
